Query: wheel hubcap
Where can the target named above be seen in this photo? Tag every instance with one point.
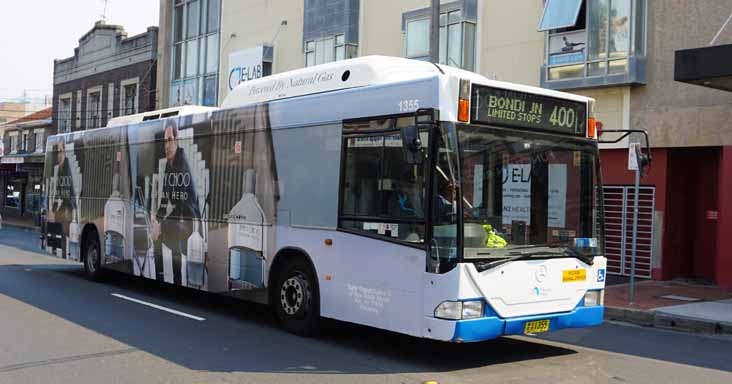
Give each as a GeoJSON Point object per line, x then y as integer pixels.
{"type": "Point", "coordinates": [294, 294]}
{"type": "Point", "coordinates": [91, 258]}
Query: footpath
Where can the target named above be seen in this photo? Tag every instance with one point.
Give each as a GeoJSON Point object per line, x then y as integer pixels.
{"type": "Point", "coordinates": [25, 222]}
{"type": "Point", "coordinates": [675, 304]}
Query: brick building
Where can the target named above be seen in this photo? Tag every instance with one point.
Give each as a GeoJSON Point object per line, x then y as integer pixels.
{"type": "Point", "coordinates": [109, 75]}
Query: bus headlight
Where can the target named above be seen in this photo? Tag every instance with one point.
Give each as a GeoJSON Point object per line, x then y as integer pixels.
{"type": "Point", "coordinates": [450, 310]}
{"type": "Point", "coordinates": [456, 310]}
{"type": "Point", "coordinates": [594, 298]}
{"type": "Point", "coordinates": [472, 309]}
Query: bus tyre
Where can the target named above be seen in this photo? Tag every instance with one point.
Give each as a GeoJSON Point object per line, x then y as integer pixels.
{"type": "Point", "coordinates": [92, 258]}
{"type": "Point", "coordinates": [296, 299]}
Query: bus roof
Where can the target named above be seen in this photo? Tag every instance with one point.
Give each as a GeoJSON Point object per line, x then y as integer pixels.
{"type": "Point", "coordinates": [159, 114]}
{"type": "Point", "coordinates": [361, 72]}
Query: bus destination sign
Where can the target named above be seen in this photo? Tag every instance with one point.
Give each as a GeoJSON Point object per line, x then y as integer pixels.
{"type": "Point", "coordinates": [503, 107]}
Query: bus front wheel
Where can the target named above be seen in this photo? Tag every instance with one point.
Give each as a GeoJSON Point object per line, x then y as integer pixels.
{"type": "Point", "coordinates": [92, 257]}
{"type": "Point", "coordinates": [296, 299]}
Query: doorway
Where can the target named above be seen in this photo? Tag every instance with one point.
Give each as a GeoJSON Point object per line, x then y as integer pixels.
{"type": "Point", "coordinates": [690, 241]}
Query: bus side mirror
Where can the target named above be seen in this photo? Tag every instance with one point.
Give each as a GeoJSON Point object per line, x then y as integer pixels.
{"type": "Point", "coordinates": [412, 145]}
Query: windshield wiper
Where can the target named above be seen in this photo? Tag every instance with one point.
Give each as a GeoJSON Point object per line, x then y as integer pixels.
{"type": "Point", "coordinates": [589, 260]}
{"type": "Point", "coordinates": [570, 251]}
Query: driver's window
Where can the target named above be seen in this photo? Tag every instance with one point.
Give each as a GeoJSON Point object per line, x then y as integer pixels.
{"type": "Point", "coordinates": [381, 193]}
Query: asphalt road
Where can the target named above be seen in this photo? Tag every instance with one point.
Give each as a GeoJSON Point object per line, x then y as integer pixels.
{"type": "Point", "coordinates": [58, 327]}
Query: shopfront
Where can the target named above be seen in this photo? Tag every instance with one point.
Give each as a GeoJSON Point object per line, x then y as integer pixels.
{"type": "Point", "coordinates": [21, 186]}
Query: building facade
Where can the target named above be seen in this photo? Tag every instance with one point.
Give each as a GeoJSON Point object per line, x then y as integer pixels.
{"type": "Point", "coordinates": [21, 165]}
{"type": "Point", "coordinates": [109, 75]}
{"type": "Point", "coordinates": [621, 52]}
{"type": "Point", "coordinates": [188, 70]}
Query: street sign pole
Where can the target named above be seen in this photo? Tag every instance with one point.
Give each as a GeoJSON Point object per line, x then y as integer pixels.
{"type": "Point", "coordinates": [631, 292]}
{"type": "Point", "coordinates": [634, 164]}
{"type": "Point", "coordinates": [637, 160]}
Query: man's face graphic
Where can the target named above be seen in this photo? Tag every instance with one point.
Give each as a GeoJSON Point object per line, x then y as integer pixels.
{"type": "Point", "coordinates": [171, 144]}
{"type": "Point", "coordinates": [60, 153]}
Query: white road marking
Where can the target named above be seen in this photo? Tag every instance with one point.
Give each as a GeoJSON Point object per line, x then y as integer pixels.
{"type": "Point", "coordinates": [160, 307]}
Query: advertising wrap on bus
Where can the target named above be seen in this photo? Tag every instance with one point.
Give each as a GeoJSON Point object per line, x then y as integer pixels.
{"type": "Point", "coordinates": [153, 193]}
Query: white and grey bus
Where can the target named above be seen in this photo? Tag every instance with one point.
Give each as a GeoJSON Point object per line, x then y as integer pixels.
{"type": "Point", "coordinates": [398, 194]}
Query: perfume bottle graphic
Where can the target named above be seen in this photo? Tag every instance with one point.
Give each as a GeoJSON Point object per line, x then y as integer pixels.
{"type": "Point", "coordinates": [247, 239]}
{"type": "Point", "coordinates": [115, 218]}
{"type": "Point", "coordinates": [195, 258]}
{"type": "Point", "coordinates": [74, 237]}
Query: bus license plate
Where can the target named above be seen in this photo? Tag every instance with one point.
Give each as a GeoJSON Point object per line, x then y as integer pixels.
{"type": "Point", "coordinates": [536, 326]}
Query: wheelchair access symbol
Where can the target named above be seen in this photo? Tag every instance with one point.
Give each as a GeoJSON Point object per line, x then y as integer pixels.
{"type": "Point", "coordinates": [600, 275]}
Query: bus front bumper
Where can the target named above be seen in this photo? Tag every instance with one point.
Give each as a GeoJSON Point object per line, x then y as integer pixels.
{"type": "Point", "coordinates": [491, 327]}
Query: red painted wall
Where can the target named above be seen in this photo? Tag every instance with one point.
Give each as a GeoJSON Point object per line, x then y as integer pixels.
{"type": "Point", "coordinates": [615, 172]}
{"type": "Point", "coordinates": [723, 262]}
{"type": "Point", "coordinates": [689, 182]}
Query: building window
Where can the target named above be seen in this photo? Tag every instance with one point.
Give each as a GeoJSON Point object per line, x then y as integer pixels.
{"type": "Point", "coordinates": [212, 53]}
{"type": "Point", "coordinates": [560, 14]}
{"type": "Point", "coordinates": [191, 58]}
{"type": "Point", "coordinates": [309, 53]}
{"type": "Point", "coordinates": [418, 39]}
{"type": "Point", "coordinates": [40, 142]}
{"type": "Point", "coordinates": [593, 40]}
{"type": "Point", "coordinates": [94, 109]}
{"type": "Point", "coordinates": [129, 98]}
{"type": "Point", "coordinates": [24, 142]}
{"type": "Point", "coordinates": [213, 14]}
{"type": "Point", "coordinates": [209, 90]}
{"type": "Point", "coordinates": [328, 49]}
{"type": "Point", "coordinates": [193, 19]}
{"type": "Point", "coordinates": [340, 47]}
{"type": "Point", "coordinates": [13, 137]}
{"type": "Point", "coordinates": [195, 51]}
{"type": "Point", "coordinates": [64, 113]}
{"type": "Point", "coordinates": [457, 39]}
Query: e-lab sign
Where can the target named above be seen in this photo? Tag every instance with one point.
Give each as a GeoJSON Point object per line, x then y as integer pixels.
{"type": "Point", "coordinates": [245, 65]}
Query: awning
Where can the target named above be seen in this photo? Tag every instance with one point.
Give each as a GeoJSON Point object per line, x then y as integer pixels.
{"type": "Point", "coordinates": [23, 159]}
{"type": "Point", "coordinates": [708, 66]}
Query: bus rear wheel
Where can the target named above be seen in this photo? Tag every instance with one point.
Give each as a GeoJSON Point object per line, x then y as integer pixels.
{"type": "Point", "coordinates": [92, 258]}
{"type": "Point", "coordinates": [296, 298]}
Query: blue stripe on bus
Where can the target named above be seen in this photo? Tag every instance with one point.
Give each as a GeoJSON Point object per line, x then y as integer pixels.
{"type": "Point", "coordinates": [493, 326]}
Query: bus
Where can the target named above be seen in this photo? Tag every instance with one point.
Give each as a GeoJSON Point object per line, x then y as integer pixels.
{"type": "Point", "coordinates": [398, 194]}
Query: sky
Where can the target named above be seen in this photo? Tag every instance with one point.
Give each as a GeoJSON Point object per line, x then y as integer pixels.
{"type": "Point", "coordinates": [35, 32]}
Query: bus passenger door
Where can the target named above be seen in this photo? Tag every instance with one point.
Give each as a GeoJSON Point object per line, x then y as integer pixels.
{"type": "Point", "coordinates": [382, 220]}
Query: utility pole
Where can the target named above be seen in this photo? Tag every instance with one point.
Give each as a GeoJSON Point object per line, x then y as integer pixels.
{"type": "Point", "coordinates": [435, 31]}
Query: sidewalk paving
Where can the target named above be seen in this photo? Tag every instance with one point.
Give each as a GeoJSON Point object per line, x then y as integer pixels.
{"type": "Point", "coordinates": [672, 304]}
{"type": "Point", "coordinates": [26, 222]}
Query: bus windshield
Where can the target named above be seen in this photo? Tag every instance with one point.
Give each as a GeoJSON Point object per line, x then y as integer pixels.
{"type": "Point", "coordinates": [526, 193]}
